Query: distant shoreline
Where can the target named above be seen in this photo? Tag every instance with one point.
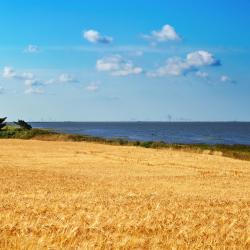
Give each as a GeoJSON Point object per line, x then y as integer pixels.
{"type": "Point", "coordinates": [139, 122]}
{"type": "Point", "coordinates": [241, 152]}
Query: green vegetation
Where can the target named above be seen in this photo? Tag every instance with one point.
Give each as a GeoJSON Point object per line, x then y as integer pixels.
{"type": "Point", "coordinates": [2, 122]}
{"type": "Point", "coordinates": [233, 151]}
{"type": "Point", "coordinates": [24, 125]}
{"type": "Point", "coordinates": [14, 132]}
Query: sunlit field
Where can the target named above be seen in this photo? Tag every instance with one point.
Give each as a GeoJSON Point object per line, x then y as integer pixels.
{"type": "Point", "coordinates": [82, 195]}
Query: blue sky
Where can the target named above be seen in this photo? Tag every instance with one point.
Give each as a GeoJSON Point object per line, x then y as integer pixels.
{"type": "Point", "coordinates": [125, 60]}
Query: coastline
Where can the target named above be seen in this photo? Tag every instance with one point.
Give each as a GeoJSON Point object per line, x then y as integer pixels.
{"type": "Point", "coordinates": [241, 152]}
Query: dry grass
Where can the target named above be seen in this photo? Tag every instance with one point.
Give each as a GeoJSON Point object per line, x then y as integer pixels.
{"type": "Point", "coordinates": [68, 195]}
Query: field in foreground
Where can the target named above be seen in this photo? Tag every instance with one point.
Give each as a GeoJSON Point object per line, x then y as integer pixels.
{"type": "Point", "coordinates": [69, 195]}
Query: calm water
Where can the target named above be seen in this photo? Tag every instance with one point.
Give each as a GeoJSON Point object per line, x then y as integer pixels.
{"type": "Point", "coordinates": [171, 132]}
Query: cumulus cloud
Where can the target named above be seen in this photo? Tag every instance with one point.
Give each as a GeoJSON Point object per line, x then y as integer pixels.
{"type": "Point", "coordinates": [173, 66]}
{"type": "Point", "coordinates": [93, 86]}
{"type": "Point", "coordinates": [167, 33]}
{"type": "Point", "coordinates": [117, 66]}
{"type": "Point", "coordinates": [201, 58]}
{"type": "Point", "coordinates": [32, 49]}
{"type": "Point", "coordinates": [193, 62]}
{"type": "Point", "coordinates": [30, 81]}
{"type": "Point", "coordinates": [8, 72]}
{"type": "Point", "coordinates": [94, 36]}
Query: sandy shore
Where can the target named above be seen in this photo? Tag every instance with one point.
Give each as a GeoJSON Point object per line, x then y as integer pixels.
{"type": "Point", "coordinates": [69, 195]}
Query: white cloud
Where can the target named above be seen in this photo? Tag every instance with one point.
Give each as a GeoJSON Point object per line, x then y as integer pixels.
{"type": "Point", "coordinates": [50, 81]}
{"type": "Point", "coordinates": [67, 78]}
{"type": "Point", "coordinates": [173, 66]}
{"type": "Point", "coordinates": [62, 78]}
{"type": "Point", "coordinates": [108, 63]}
{"type": "Point", "coordinates": [33, 86]}
{"type": "Point", "coordinates": [93, 86]}
{"type": "Point", "coordinates": [202, 74]}
{"type": "Point", "coordinates": [33, 82]}
{"type": "Point", "coordinates": [193, 62]}
{"type": "Point", "coordinates": [226, 79]}
{"type": "Point", "coordinates": [8, 72]}
{"type": "Point", "coordinates": [201, 58]}
{"type": "Point", "coordinates": [27, 76]}
{"type": "Point", "coordinates": [118, 66]}
{"type": "Point", "coordinates": [32, 49]}
{"type": "Point", "coordinates": [167, 33]}
{"type": "Point", "coordinates": [94, 36]}
{"type": "Point", "coordinates": [34, 91]}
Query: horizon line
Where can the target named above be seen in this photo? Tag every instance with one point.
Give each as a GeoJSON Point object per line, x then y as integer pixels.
{"type": "Point", "coordinates": [174, 121]}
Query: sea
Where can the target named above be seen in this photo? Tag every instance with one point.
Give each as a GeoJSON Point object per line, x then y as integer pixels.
{"type": "Point", "coordinates": [212, 133]}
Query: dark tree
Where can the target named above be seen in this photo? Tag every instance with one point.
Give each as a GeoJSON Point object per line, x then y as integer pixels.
{"type": "Point", "coordinates": [23, 124]}
{"type": "Point", "coordinates": [2, 122]}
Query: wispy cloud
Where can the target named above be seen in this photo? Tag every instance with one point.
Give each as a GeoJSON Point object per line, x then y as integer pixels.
{"type": "Point", "coordinates": [227, 79]}
{"type": "Point", "coordinates": [132, 49]}
{"type": "Point", "coordinates": [202, 74]}
{"type": "Point", "coordinates": [67, 78]}
{"type": "Point", "coordinates": [62, 78]}
{"type": "Point", "coordinates": [34, 90]}
{"type": "Point", "coordinates": [136, 50]}
{"type": "Point", "coordinates": [32, 49]}
{"type": "Point", "coordinates": [93, 86]}
{"type": "Point", "coordinates": [33, 83]}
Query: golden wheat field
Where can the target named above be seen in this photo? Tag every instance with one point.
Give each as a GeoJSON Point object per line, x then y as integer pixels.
{"type": "Point", "coordinates": [69, 195]}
